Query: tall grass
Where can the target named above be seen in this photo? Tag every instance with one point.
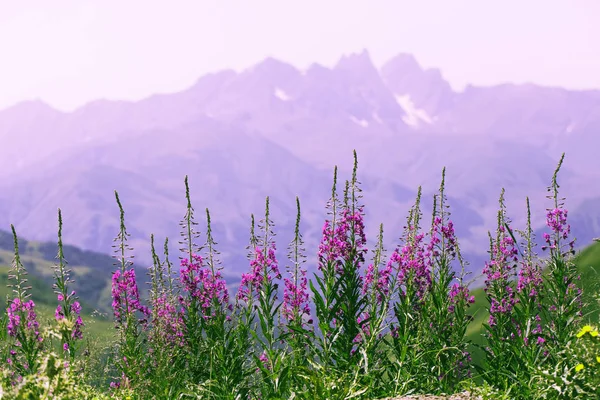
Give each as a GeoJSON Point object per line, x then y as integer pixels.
{"type": "Point", "coordinates": [365, 325]}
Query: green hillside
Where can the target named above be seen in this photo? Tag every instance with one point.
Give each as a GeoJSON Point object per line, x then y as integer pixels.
{"type": "Point", "coordinates": [588, 263]}
{"type": "Point", "coordinates": [91, 271]}
{"type": "Point", "coordinates": [98, 327]}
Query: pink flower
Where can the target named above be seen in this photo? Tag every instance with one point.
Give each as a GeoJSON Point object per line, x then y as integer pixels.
{"type": "Point", "coordinates": [499, 272]}
{"type": "Point", "coordinates": [265, 360]}
{"type": "Point", "coordinates": [203, 285]}
{"type": "Point", "coordinates": [168, 321]}
{"type": "Point", "coordinates": [457, 294]}
{"type": "Point", "coordinates": [411, 265]}
{"type": "Point", "coordinates": [263, 269]}
{"type": "Point", "coordinates": [556, 220]}
{"type": "Point", "coordinates": [18, 309]}
{"type": "Point", "coordinates": [125, 294]}
{"type": "Point", "coordinates": [295, 296]}
{"type": "Point", "coordinates": [336, 241]}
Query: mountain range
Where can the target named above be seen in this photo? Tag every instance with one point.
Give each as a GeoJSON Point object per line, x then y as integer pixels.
{"type": "Point", "coordinates": [276, 130]}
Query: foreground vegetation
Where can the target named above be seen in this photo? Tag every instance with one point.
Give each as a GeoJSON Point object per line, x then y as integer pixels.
{"type": "Point", "coordinates": [364, 326]}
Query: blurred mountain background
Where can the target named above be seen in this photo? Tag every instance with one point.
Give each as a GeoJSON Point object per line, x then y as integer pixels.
{"type": "Point", "coordinates": [276, 130]}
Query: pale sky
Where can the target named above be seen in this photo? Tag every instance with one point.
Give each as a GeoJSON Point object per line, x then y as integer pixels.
{"type": "Point", "coordinates": [69, 52]}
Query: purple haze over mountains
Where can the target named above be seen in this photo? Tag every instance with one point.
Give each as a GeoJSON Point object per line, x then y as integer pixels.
{"type": "Point", "coordinates": [273, 130]}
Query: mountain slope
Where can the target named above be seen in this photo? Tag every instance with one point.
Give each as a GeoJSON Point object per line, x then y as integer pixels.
{"type": "Point", "coordinates": [273, 130]}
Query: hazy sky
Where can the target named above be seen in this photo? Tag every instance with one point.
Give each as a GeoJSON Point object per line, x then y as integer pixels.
{"type": "Point", "coordinates": [68, 52]}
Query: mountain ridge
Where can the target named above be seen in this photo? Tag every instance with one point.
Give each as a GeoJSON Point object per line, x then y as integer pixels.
{"type": "Point", "coordinates": [274, 130]}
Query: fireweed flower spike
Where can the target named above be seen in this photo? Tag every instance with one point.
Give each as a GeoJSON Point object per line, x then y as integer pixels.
{"type": "Point", "coordinates": [337, 287]}
{"type": "Point", "coordinates": [501, 269]}
{"type": "Point", "coordinates": [556, 220]}
{"type": "Point", "coordinates": [376, 279]}
{"type": "Point", "coordinates": [202, 283]}
{"type": "Point", "coordinates": [22, 324]}
{"type": "Point", "coordinates": [166, 321]}
{"type": "Point", "coordinates": [68, 310]}
{"type": "Point", "coordinates": [260, 288]}
{"type": "Point", "coordinates": [262, 264]}
{"type": "Point", "coordinates": [529, 294]}
{"type": "Point", "coordinates": [216, 296]}
{"type": "Point", "coordinates": [440, 297]}
{"type": "Point", "coordinates": [499, 273]}
{"type": "Point", "coordinates": [351, 302]}
{"type": "Point", "coordinates": [170, 280]}
{"type": "Point", "coordinates": [126, 305]}
{"type": "Point", "coordinates": [164, 335]}
{"type": "Point", "coordinates": [325, 284]}
{"type": "Point", "coordinates": [378, 284]}
{"type": "Point", "coordinates": [409, 263]}
{"type": "Point", "coordinates": [530, 275]}
{"type": "Point", "coordinates": [190, 282]}
{"type": "Point", "coordinates": [410, 281]}
{"type": "Point", "coordinates": [224, 344]}
{"type": "Point", "coordinates": [189, 278]}
{"type": "Point", "coordinates": [126, 298]}
{"type": "Point", "coordinates": [297, 324]}
{"type": "Point", "coordinates": [295, 308]}
{"type": "Point", "coordinates": [448, 290]}
{"type": "Point", "coordinates": [245, 288]}
{"type": "Point", "coordinates": [188, 225]}
{"type": "Point", "coordinates": [563, 294]}
{"type": "Point", "coordinates": [331, 246]}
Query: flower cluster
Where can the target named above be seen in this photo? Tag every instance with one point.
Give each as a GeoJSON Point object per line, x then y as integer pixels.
{"type": "Point", "coordinates": [439, 233]}
{"type": "Point", "coordinates": [189, 275]}
{"type": "Point", "coordinates": [15, 311]}
{"type": "Point", "coordinates": [336, 242]}
{"type": "Point", "coordinates": [125, 295]}
{"type": "Point", "coordinates": [362, 321]}
{"type": "Point", "coordinates": [378, 280]}
{"type": "Point", "coordinates": [530, 280]}
{"type": "Point", "coordinates": [411, 266]}
{"type": "Point", "coordinates": [295, 296]}
{"type": "Point", "coordinates": [168, 321]}
{"type": "Point", "coordinates": [75, 308]}
{"type": "Point", "coordinates": [352, 223]}
{"type": "Point", "coordinates": [295, 307]}
{"type": "Point", "coordinates": [332, 245]}
{"type": "Point", "coordinates": [263, 270]}
{"type": "Point", "coordinates": [498, 272]}
{"type": "Point", "coordinates": [264, 359]}
{"type": "Point", "coordinates": [556, 220]}
{"type": "Point", "coordinates": [457, 294]}
{"type": "Point", "coordinates": [203, 285]}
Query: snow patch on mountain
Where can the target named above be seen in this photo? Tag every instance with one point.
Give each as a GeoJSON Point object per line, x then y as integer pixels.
{"type": "Point", "coordinates": [362, 122]}
{"type": "Point", "coordinates": [281, 94]}
{"type": "Point", "coordinates": [414, 116]}
{"type": "Point", "coordinates": [570, 127]}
